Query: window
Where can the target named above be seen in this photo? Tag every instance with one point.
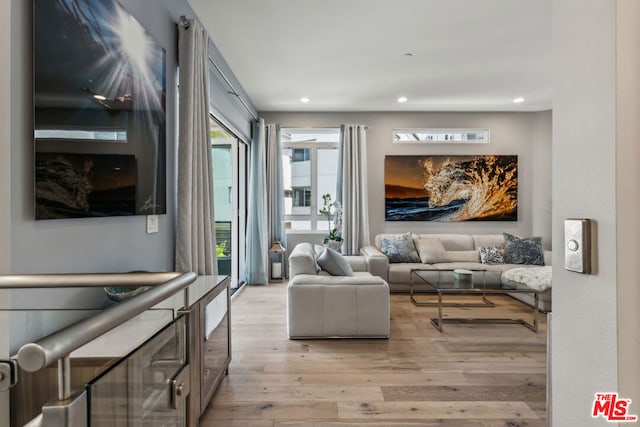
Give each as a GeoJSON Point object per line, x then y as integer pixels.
{"type": "Point", "coordinates": [301, 197]}
{"type": "Point", "coordinates": [310, 166]}
{"type": "Point", "coordinates": [461, 136]}
{"type": "Point", "coordinates": [229, 156]}
{"type": "Point", "coordinates": [301, 155]}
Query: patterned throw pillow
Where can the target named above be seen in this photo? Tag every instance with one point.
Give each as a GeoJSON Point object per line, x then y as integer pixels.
{"type": "Point", "coordinates": [523, 251]}
{"type": "Point", "coordinates": [491, 255]}
{"type": "Point", "coordinates": [399, 248]}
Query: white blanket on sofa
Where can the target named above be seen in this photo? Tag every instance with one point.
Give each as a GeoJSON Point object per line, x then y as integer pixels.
{"type": "Point", "coordinates": [538, 278]}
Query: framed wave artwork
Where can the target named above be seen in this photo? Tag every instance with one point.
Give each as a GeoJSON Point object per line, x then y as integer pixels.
{"type": "Point", "coordinates": [451, 188]}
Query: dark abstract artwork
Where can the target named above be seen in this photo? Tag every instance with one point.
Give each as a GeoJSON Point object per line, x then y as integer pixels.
{"type": "Point", "coordinates": [99, 112]}
{"type": "Point", "coordinates": [451, 188]}
{"type": "Point", "coordinates": [77, 185]}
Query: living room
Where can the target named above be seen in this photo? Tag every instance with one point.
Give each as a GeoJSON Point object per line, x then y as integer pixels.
{"type": "Point", "coordinates": [576, 161]}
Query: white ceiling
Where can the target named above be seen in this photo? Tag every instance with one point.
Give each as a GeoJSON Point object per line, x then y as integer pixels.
{"type": "Point", "coordinates": [349, 55]}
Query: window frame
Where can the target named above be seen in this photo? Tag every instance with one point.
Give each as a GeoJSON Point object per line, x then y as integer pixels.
{"type": "Point", "coordinates": [442, 135]}
{"type": "Point", "coordinates": [314, 218]}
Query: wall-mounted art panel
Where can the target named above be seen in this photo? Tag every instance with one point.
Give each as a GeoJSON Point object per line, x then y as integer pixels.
{"type": "Point", "coordinates": [99, 93]}
{"type": "Point", "coordinates": [451, 188]}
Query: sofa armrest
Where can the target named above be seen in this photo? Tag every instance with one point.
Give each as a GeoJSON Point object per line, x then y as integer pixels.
{"type": "Point", "coordinates": [377, 262]}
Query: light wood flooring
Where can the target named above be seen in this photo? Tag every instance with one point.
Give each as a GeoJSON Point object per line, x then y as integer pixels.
{"type": "Point", "coordinates": [481, 375]}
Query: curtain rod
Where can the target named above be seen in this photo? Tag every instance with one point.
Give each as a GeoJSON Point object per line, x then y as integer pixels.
{"type": "Point", "coordinates": [186, 23]}
{"type": "Point", "coordinates": [233, 90]}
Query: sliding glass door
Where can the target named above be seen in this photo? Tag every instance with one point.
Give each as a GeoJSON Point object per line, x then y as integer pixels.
{"type": "Point", "coordinates": [229, 197]}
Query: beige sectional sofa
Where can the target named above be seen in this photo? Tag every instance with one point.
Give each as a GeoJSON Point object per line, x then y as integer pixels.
{"type": "Point", "coordinates": [320, 305]}
{"type": "Point", "coordinates": [462, 252]}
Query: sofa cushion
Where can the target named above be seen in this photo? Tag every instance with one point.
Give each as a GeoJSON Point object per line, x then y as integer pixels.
{"type": "Point", "coordinates": [464, 256]}
{"type": "Point", "coordinates": [523, 251]}
{"type": "Point", "coordinates": [451, 242]}
{"type": "Point", "coordinates": [431, 251]}
{"type": "Point", "coordinates": [491, 255]}
{"type": "Point", "coordinates": [399, 247]}
{"type": "Point", "coordinates": [334, 263]}
{"type": "Point", "coordinates": [401, 272]}
{"type": "Point", "coordinates": [487, 240]}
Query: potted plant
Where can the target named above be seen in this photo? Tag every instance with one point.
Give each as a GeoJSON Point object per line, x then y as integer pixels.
{"type": "Point", "coordinates": [332, 209]}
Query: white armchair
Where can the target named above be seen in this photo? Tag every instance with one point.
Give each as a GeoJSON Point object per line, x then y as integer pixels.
{"type": "Point", "coordinates": [323, 306]}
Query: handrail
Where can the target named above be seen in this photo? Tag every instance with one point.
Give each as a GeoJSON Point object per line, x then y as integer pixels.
{"type": "Point", "coordinates": [99, 280]}
{"type": "Point", "coordinates": [34, 356]}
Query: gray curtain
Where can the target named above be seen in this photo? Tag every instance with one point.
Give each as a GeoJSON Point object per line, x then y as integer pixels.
{"type": "Point", "coordinates": [352, 187]}
{"type": "Point", "coordinates": [275, 185]}
{"type": "Point", "coordinates": [257, 228]}
{"type": "Point", "coordinates": [195, 234]}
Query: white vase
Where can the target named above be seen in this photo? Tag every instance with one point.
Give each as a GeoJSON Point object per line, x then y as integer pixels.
{"type": "Point", "coordinates": [334, 244]}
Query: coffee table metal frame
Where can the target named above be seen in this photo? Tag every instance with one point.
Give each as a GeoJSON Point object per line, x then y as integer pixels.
{"type": "Point", "coordinates": [483, 290]}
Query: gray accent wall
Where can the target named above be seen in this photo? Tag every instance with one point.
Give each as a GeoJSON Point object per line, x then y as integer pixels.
{"type": "Point", "coordinates": [527, 135]}
{"type": "Point", "coordinates": [115, 244]}
{"type": "Point", "coordinates": [5, 186]}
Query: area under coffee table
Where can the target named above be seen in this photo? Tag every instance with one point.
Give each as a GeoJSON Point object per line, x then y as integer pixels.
{"type": "Point", "coordinates": [447, 282]}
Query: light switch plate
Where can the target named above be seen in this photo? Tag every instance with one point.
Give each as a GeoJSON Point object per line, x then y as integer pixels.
{"type": "Point", "coordinates": [152, 224]}
{"type": "Point", "coordinates": [577, 245]}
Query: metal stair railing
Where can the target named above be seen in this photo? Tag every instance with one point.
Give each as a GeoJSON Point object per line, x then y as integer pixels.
{"type": "Point", "coordinates": [71, 409]}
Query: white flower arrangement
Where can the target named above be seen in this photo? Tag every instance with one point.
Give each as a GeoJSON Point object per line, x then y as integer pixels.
{"type": "Point", "coordinates": [334, 209]}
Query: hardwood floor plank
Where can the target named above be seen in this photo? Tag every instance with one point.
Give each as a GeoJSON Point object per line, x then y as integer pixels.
{"type": "Point", "coordinates": [351, 367]}
{"type": "Point", "coordinates": [357, 379]}
{"type": "Point", "coordinates": [464, 393]}
{"type": "Point", "coordinates": [469, 376]}
{"type": "Point", "coordinates": [386, 423]}
{"type": "Point", "coordinates": [506, 379]}
{"type": "Point", "coordinates": [435, 410]}
{"type": "Point", "coordinates": [291, 393]}
{"type": "Point", "coordinates": [299, 410]}
{"type": "Point", "coordinates": [514, 423]}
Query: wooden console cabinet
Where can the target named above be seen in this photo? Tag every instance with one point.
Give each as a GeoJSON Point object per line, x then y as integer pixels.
{"type": "Point", "coordinates": [209, 344]}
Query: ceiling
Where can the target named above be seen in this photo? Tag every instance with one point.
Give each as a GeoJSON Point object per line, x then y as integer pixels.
{"type": "Point", "coordinates": [361, 55]}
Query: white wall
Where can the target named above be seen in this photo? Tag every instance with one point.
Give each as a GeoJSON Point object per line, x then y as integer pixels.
{"type": "Point", "coordinates": [542, 175]}
{"type": "Point", "coordinates": [628, 199]}
{"type": "Point", "coordinates": [584, 330]}
{"type": "Point", "coordinates": [526, 134]}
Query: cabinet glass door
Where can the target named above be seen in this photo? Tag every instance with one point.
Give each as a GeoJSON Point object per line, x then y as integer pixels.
{"type": "Point", "coordinates": [145, 387]}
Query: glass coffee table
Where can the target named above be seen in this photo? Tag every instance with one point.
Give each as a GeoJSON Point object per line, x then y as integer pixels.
{"type": "Point", "coordinates": [467, 282]}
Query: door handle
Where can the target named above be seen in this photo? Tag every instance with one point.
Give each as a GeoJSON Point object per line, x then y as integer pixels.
{"type": "Point", "coordinates": [180, 386]}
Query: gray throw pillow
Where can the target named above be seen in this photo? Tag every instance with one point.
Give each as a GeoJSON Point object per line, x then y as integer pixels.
{"type": "Point", "coordinates": [334, 263]}
{"type": "Point", "coordinates": [399, 248]}
{"type": "Point", "coordinates": [431, 251]}
{"type": "Point", "coordinates": [491, 255]}
{"type": "Point", "coordinates": [523, 251]}
{"type": "Point", "coordinates": [318, 249]}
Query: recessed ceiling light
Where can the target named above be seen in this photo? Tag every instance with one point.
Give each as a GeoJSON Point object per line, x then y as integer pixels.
{"type": "Point", "coordinates": [518, 100]}
{"type": "Point", "coordinates": [402, 99]}
{"type": "Point", "coordinates": [100, 97]}
{"type": "Point", "coordinates": [304, 99]}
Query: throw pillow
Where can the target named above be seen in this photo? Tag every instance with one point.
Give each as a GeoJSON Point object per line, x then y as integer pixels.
{"type": "Point", "coordinates": [399, 248]}
{"type": "Point", "coordinates": [334, 263]}
{"type": "Point", "coordinates": [317, 249]}
{"type": "Point", "coordinates": [431, 251]}
{"type": "Point", "coordinates": [523, 251]}
{"type": "Point", "coordinates": [491, 255]}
